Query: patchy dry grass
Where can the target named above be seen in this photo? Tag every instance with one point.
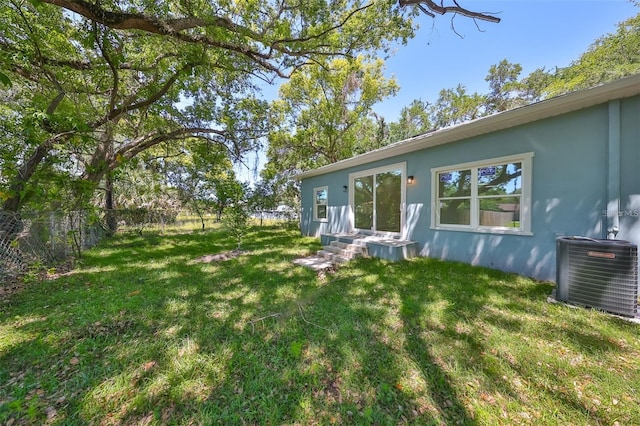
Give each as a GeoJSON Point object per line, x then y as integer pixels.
{"type": "Point", "coordinates": [142, 333]}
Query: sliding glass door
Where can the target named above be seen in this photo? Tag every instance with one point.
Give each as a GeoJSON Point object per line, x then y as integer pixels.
{"type": "Point", "coordinates": [388, 201]}
{"type": "Point", "coordinates": [363, 202]}
{"type": "Point", "coordinates": [378, 197]}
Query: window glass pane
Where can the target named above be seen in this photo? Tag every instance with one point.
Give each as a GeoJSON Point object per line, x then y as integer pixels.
{"type": "Point", "coordinates": [321, 196]}
{"type": "Point", "coordinates": [388, 197]}
{"type": "Point", "coordinates": [455, 212]}
{"type": "Point", "coordinates": [454, 183]}
{"type": "Point", "coordinates": [500, 211]}
{"type": "Point", "coordinates": [500, 179]}
{"type": "Point", "coordinates": [363, 202]}
{"type": "Point", "coordinates": [320, 201]}
{"type": "Point", "coordinates": [321, 211]}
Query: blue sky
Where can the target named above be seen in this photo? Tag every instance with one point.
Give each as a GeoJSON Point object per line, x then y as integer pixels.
{"type": "Point", "coordinates": [532, 33]}
{"type": "Point", "coordinates": [535, 34]}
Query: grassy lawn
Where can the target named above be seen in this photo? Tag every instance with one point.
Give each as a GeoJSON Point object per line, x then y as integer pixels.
{"type": "Point", "coordinates": [142, 333]}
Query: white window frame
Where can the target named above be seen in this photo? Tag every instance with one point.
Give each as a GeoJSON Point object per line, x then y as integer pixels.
{"type": "Point", "coordinates": [526, 159]}
{"type": "Point", "coordinates": [403, 191]}
{"type": "Point", "coordinates": [315, 204]}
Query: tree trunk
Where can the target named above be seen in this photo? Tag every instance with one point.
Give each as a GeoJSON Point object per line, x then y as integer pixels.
{"type": "Point", "coordinates": [112, 222]}
{"type": "Point", "coordinates": [19, 187]}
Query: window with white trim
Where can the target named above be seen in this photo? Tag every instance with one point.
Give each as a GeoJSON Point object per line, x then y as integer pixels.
{"type": "Point", "coordinates": [320, 203]}
{"type": "Point", "coordinates": [491, 195]}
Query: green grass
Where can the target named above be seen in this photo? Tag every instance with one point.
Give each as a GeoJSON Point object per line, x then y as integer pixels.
{"type": "Point", "coordinates": [141, 333]}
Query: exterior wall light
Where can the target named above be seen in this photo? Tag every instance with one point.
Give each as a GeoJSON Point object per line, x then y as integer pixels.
{"type": "Point", "coordinates": [344, 188]}
{"type": "Point", "coordinates": [410, 180]}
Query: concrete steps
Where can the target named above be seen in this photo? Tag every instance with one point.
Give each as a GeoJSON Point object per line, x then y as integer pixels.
{"type": "Point", "coordinates": [340, 252]}
{"type": "Point", "coordinates": [380, 246]}
{"type": "Point", "coordinates": [341, 248]}
{"type": "Point", "coordinates": [335, 253]}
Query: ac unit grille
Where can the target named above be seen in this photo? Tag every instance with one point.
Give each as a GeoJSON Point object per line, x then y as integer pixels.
{"type": "Point", "coordinates": [602, 274]}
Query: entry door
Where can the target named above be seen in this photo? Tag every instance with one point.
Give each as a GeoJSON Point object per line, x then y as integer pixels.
{"type": "Point", "coordinates": [378, 197]}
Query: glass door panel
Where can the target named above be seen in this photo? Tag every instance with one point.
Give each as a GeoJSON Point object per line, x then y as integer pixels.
{"type": "Point", "coordinates": [363, 202]}
{"type": "Point", "coordinates": [387, 201]}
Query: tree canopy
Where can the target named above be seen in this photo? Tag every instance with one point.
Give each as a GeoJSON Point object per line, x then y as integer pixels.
{"type": "Point", "coordinates": [323, 110]}
{"type": "Point", "coordinates": [610, 57]}
{"type": "Point", "coordinates": [90, 85]}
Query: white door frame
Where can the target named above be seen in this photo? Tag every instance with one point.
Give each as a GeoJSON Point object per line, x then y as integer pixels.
{"type": "Point", "coordinates": [403, 192]}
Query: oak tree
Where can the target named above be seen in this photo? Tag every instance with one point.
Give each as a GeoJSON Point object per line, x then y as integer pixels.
{"type": "Point", "coordinates": [90, 85]}
{"type": "Point", "coordinates": [323, 108]}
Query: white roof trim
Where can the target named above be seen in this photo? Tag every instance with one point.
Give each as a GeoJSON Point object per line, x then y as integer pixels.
{"type": "Point", "coordinates": [623, 88]}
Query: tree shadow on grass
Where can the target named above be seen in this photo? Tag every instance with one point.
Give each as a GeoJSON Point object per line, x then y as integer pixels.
{"type": "Point", "coordinates": [497, 320]}
{"type": "Point", "coordinates": [107, 325]}
{"type": "Point", "coordinates": [418, 290]}
{"type": "Point", "coordinates": [257, 340]}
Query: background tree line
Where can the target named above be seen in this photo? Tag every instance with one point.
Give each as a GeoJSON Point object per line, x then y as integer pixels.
{"type": "Point", "coordinates": [326, 113]}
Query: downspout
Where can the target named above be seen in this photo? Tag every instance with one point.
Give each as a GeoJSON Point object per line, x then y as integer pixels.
{"type": "Point", "coordinates": [613, 178]}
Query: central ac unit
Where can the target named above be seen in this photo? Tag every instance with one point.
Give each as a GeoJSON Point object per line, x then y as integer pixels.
{"type": "Point", "coordinates": [601, 274]}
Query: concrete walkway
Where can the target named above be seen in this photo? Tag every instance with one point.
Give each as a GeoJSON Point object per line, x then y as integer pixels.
{"type": "Point", "coordinates": [317, 263]}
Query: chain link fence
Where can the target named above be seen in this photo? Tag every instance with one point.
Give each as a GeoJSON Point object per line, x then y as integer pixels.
{"type": "Point", "coordinates": [140, 219]}
{"type": "Point", "coordinates": [288, 215]}
{"type": "Point", "coordinates": [44, 239]}
{"type": "Point", "coordinates": [30, 239]}
{"type": "Point", "coordinates": [35, 240]}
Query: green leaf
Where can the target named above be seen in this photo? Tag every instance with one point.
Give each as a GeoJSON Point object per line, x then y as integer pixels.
{"type": "Point", "coordinates": [5, 80]}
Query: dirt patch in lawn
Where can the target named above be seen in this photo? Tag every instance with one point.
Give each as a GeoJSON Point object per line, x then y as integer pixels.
{"type": "Point", "coordinates": [220, 257]}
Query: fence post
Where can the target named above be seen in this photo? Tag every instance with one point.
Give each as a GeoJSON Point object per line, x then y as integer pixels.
{"type": "Point", "coordinates": [52, 232]}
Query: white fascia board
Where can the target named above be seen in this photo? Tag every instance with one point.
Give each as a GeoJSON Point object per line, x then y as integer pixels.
{"type": "Point", "coordinates": [623, 88]}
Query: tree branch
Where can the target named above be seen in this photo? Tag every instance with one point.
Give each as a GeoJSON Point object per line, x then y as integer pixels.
{"type": "Point", "coordinates": [80, 65]}
{"type": "Point", "coordinates": [139, 144]}
{"type": "Point", "coordinates": [442, 10]}
{"type": "Point", "coordinates": [172, 28]}
{"type": "Point", "coordinates": [28, 169]}
{"type": "Point", "coordinates": [102, 46]}
{"type": "Point", "coordinates": [323, 33]}
{"type": "Point", "coordinates": [144, 103]}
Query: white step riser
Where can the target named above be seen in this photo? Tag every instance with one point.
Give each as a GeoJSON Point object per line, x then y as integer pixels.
{"type": "Point", "coordinates": [336, 246]}
{"type": "Point", "coordinates": [339, 252]}
{"type": "Point", "coordinates": [335, 258]}
{"type": "Point", "coordinates": [332, 254]}
{"type": "Point", "coordinates": [354, 243]}
{"type": "Point", "coordinates": [349, 248]}
{"type": "Point", "coordinates": [339, 255]}
{"type": "Point", "coordinates": [342, 252]}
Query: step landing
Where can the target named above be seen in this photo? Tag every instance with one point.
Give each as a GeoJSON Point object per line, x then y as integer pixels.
{"type": "Point", "coordinates": [380, 246]}
{"type": "Point", "coordinates": [317, 263]}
